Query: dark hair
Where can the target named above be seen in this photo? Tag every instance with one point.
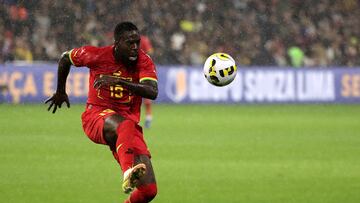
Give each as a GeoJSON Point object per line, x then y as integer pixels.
{"type": "Point", "coordinates": [123, 27]}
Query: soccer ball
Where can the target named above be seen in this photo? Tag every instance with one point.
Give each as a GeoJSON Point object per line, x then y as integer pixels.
{"type": "Point", "coordinates": [220, 69]}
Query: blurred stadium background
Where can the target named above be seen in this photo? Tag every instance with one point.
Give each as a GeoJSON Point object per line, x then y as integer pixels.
{"type": "Point", "coordinates": [286, 130]}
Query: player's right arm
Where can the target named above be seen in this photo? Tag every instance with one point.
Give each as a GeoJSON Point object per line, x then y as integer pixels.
{"type": "Point", "coordinates": [60, 96]}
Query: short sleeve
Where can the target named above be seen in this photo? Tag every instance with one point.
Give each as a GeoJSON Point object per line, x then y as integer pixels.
{"type": "Point", "coordinates": [82, 56]}
{"type": "Point", "coordinates": [147, 69]}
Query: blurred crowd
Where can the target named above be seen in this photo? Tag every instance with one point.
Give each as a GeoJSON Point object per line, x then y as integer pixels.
{"type": "Point", "coordinates": [255, 32]}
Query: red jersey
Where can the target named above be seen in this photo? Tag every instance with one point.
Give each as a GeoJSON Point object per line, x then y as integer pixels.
{"type": "Point", "coordinates": [100, 60]}
{"type": "Point", "coordinates": [145, 44]}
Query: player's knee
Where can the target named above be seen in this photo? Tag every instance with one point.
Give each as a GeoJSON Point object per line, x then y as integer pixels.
{"type": "Point", "coordinates": [148, 191]}
{"type": "Point", "coordinates": [110, 137]}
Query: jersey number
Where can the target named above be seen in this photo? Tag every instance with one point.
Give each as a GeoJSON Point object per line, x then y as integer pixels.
{"type": "Point", "coordinates": [116, 91]}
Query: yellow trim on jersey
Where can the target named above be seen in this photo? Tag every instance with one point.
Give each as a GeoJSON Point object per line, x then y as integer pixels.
{"type": "Point", "coordinates": [72, 62]}
{"type": "Point", "coordinates": [106, 111]}
{"type": "Point", "coordinates": [147, 78]}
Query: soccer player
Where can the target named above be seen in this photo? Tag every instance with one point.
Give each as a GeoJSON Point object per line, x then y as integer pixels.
{"type": "Point", "coordinates": [120, 76]}
{"type": "Point", "coordinates": [145, 44]}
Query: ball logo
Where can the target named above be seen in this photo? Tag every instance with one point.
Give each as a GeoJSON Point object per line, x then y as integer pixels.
{"type": "Point", "coordinates": [212, 72]}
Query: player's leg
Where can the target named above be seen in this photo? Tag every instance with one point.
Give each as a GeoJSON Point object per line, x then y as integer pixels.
{"type": "Point", "coordinates": [146, 189]}
{"type": "Point", "coordinates": [104, 126]}
{"type": "Point", "coordinates": [148, 113]}
{"type": "Point", "coordinates": [119, 134]}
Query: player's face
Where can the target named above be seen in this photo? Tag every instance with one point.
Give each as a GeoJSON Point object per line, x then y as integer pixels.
{"type": "Point", "coordinates": [128, 46]}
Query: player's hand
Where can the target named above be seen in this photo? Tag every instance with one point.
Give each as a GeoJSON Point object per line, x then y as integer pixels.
{"type": "Point", "coordinates": [105, 80]}
{"type": "Point", "coordinates": [57, 100]}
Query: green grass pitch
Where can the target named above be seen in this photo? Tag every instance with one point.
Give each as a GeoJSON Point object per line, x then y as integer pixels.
{"type": "Point", "coordinates": [201, 153]}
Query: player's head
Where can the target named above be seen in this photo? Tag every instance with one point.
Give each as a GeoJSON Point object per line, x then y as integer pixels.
{"type": "Point", "coordinates": [127, 42]}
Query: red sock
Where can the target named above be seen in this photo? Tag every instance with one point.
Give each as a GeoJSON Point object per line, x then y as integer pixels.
{"type": "Point", "coordinates": [124, 144]}
{"type": "Point", "coordinates": [143, 194]}
{"type": "Point", "coordinates": [147, 103]}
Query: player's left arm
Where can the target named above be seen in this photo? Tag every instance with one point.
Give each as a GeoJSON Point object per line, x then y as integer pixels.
{"type": "Point", "coordinates": [146, 88]}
